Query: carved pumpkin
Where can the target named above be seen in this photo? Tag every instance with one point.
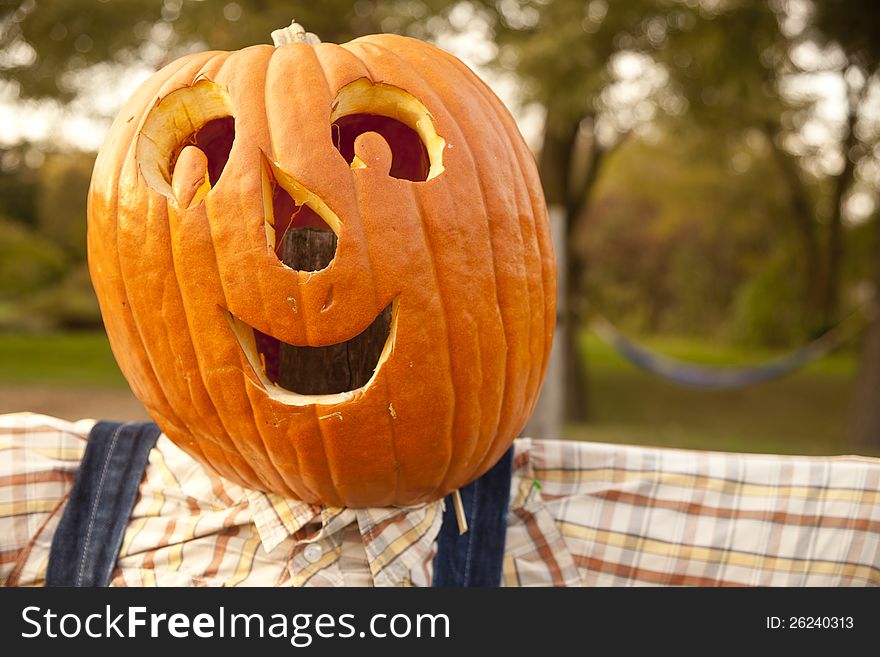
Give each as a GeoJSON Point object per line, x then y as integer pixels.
{"type": "Point", "coordinates": [442, 250]}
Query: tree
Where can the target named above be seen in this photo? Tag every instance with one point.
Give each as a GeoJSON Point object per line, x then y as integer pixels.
{"type": "Point", "coordinates": [562, 53]}
{"type": "Point", "coordinates": [46, 45]}
{"type": "Point", "coordinates": [852, 28]}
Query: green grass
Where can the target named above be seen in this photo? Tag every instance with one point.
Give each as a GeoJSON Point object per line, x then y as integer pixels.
{"type": "Point", "coordinates": [804, 413]}
{"type": "Point", "coordinates": [801, 414]}
{"type": "Point", "coordinates": [67, 359]}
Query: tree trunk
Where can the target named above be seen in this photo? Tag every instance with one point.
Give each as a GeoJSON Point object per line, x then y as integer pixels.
{"type": "Point", "coordinates": [572, 193]}
{"type": "Point", "coordinates": [865, 414]}
{"type": "Point", "coordinates": [547, 419]}
{"type": "Point", "coordinates": [554, 165]}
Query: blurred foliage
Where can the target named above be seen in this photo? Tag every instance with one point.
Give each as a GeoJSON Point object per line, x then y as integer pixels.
{"type": "Point", "coordinates": [768, 308]}
{"type": "Point", "coordinates": [28, 261]}
{"type": "Point", "coordinates": [18, 190]}
{"type": "Point", "coordinates": [666, 140]}
{"type": "Point", "coordinates": [71, 304]}
{"type": "Point", "coordinates": [679, 242]}
{"type": "Point", "coordinates": [61, 200]}
{"type": "Point", "coordinates": [54, 41]}
{"type": "Point", "coordinates": [853, 26]}
{"type": "Point", "coordinates": [44, 281]}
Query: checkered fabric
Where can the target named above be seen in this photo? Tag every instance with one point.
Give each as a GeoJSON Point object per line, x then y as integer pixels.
{"type": "Point", "coordinates": [580, 514]}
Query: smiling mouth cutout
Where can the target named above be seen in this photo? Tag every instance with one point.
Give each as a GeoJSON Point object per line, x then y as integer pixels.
{"type": "Point", "coordinates": [303, 231]}
{"type": "Point", "coordinates": [347, 367]}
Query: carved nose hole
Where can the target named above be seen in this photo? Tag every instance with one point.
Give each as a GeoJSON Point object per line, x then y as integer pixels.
{"type": "Point", "coordinates": [303, 239]}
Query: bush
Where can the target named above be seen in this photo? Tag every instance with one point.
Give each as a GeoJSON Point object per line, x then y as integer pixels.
{"type": "Point", "coordinates": [28, 262]}
{"type": "Point", "coordinates": [769, 309]}
{"type": "Point", "coordinates": [61, 200]}
{"type": "Point", "coordinates": [69, 305]}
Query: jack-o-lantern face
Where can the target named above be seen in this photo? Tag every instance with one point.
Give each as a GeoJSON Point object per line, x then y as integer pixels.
{"type": "Point", "coordinates": [391, 369]}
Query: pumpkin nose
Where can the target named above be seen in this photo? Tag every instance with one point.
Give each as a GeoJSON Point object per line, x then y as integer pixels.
{"type": "Point", "coordinates": [300, 228]}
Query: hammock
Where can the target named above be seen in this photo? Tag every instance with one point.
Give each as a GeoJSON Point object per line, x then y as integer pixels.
{"type": "Point", "coordinates": [713, 377]}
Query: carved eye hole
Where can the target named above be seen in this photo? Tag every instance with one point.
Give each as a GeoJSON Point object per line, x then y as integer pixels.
{"type": "Point", "coordinates": [214, 139]}
{"type": "Point", "coordinates": [409, 157]}
{"type": "Point", "coordinates": [185, 141]}
{"type": "Point", "coordinates": [401, 120]}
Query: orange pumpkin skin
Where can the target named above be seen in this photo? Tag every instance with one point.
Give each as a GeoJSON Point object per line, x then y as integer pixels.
{"type": "Point", "coordinates": [465, 257]}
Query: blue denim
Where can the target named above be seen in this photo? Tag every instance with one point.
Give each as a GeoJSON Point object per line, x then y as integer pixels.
{"type": "Point", "coordinates": [475, 557]}
{"type": "Point", "coordinates": [87, 542]}
{"type": "Point", "coordinates": [89, 535]}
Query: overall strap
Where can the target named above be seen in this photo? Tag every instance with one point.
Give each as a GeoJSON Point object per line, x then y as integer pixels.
{"type": "Point", "coordinates": [475, 557]}
{"type": "Point", "coordinates": [89, 535]}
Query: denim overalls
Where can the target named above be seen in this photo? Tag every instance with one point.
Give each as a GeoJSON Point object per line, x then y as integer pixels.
{"type": "Point", "coordinates": [90, 533]}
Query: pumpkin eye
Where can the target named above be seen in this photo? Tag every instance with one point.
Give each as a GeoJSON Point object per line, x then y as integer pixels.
{"type": "Point", "coordinates": [185, 141]}
{"type": "Point", "coordinates": [399, 118]}
{"type": "Point", "coordinates": [409, 157]}
{"type": "Point", "coordinates": [214, 139]}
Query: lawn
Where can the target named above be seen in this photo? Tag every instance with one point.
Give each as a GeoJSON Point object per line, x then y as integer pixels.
{"type": "Point", "coordinates": [63, 359]}
{"type": "Point", "coordinates": [801, 414]}
{"type": "Point", "coordinates": [804, 413]}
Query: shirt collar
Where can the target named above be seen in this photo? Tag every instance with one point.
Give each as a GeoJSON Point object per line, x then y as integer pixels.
{"type": "Point", "coordinates": [277, 517]}
{"type": "Point", "coordinates": [388, 533]}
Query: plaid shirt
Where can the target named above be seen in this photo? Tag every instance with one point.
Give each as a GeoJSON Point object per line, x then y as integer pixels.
{"type": "Point", "coordinates": [580, 514]}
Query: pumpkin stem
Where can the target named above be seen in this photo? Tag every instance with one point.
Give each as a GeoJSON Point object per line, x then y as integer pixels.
{"type": "Point", "coordinates": [292, 34]}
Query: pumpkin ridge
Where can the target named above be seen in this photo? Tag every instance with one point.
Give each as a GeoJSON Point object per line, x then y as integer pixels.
{"type": "Point", "coordinates": [531, 245]}
{"type": "Point", "coordinates": [535, 376]}
{"type": "Point", "coordinates": [548, 302]}
{"type": "Point", "coordinates": [502, 136]}
{"type": "Point", "coordinates": [543, 246]}
{"type": "Point", "coordinates": [399, 468]}
{"type": "Point", "coordinates": [163, 204]}
{"type": "Point", "coordinates": [213, 70]}
{"type": "Point", "coordinates": [294, 483]}
{"type": "Point", "coordinates": [265, 70]}
{"type": "Point", "coordinates": [318, 424]}
{"type": "Point", "coordinates": [304, 466]}
{"type": "Point", "coordinates": [200, 367]}
{"type": "Point", "coordinates": [244, 376]}
{"type": "Point", "coordinates": [313, 50]}
{"type": "Point", "coordinates": [450, 439]}
{"type": "Point", "coordinates": [330, 94]}
{"type": "Point", "coordinates": [167, 408]}
{"type": "Point", "coordinates": [335, 498]}
{"type": "Point", "coordinates": [491, 439]}
{"type": "Point", "coordinates": [246, 380]}
{"type": "Point", "coordinates": [448, 360]}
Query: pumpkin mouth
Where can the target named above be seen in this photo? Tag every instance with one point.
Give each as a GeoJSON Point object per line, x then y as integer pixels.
{"type": "Point", "coordinates": [299, 375]}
